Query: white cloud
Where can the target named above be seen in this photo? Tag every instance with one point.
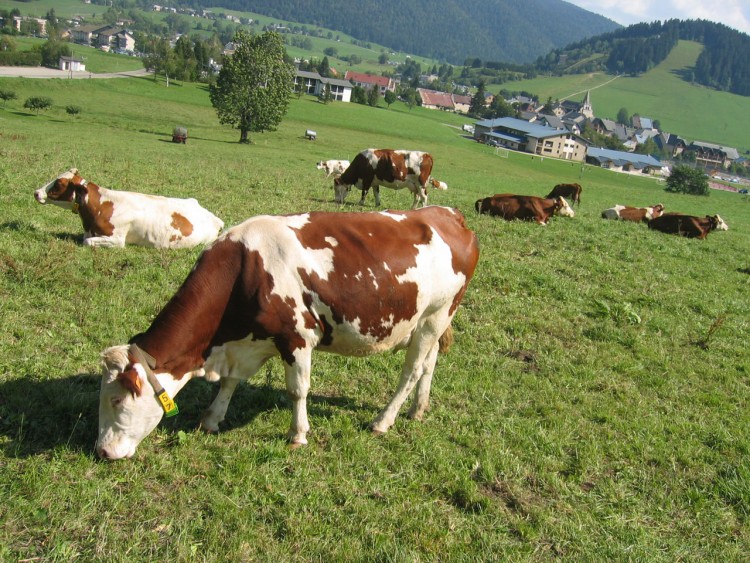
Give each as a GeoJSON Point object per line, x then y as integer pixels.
{"type": "Point", "coordinates": [733, 13]}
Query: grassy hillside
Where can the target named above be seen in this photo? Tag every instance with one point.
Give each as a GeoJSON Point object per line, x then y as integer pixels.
{"type": "Point", "coordinates": [594, 406]}
{"type": "Point", "coordinates": [694, 112]}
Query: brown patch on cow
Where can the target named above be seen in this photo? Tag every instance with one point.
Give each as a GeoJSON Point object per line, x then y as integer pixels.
{"type": "Point", "coordinates": [182, 224]}
{"type": "Point", "coordinates": [131, 381]}
{"type": "Point", "coordinates": [96, 215]}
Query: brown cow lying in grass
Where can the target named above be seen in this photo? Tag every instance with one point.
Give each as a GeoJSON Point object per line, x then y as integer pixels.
{"type": "Point", "coordinates": [526, 207]}
{"type": "Point", "coordinates": [635, 214]}
{"type": "Point", "coordinates": [688, 225]}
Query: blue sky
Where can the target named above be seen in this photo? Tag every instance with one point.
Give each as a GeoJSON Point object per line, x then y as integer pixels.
{"type": "Point", "coordinates": [733, 13]}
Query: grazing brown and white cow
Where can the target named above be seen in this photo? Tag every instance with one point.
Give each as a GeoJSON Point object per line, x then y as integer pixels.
{"type": "Point", "coordinates": [115, 218]}
{"type": "Point", "coordinates": [569, 191]}
{"type": "Point", "coordinates": [394, 169]}
{"type": "Point", "coordinates": [688, 225]}
{"type": "Point", "coordinates": [333, 166]}
{"type": "Point", "coordinates": [634, 214]}
{"type": "Point", "coordinates": [348, 283]}
{"type": "Point", "coordinates": [526, 207]}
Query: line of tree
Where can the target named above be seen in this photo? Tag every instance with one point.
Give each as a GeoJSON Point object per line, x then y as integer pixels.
{"type": "Point", "coordinates": [723, 64]}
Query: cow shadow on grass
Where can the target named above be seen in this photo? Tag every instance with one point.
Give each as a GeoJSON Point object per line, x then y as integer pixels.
{"type": "Point", "coordinates": [39, 415]}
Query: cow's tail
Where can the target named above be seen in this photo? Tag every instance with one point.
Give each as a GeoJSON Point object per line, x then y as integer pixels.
{"type": "Point", "coordinates": [446, 340]}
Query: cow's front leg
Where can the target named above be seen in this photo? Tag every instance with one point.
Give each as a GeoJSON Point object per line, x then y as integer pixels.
{"type": "Point", "coordinates": [376, 192]}
{"type": "Point", "coordinates": [218, 409]}
{"type": "Point", "coordinates": [297, 386]}
{"type": "Point", "coordinates": [107, 242]}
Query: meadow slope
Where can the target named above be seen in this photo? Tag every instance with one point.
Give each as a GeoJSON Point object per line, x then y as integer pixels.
{"type": "Point", "coordinates": [594, 406]}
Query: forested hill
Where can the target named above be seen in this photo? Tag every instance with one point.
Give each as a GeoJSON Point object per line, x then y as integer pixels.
{"type": "Point", "coordinates": [724, 63]}
{"type": "Point", "coordinates": [449, 30]}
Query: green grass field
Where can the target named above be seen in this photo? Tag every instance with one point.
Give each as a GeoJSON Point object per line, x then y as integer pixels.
{"type": "Point", "coordinates": [593, 408]}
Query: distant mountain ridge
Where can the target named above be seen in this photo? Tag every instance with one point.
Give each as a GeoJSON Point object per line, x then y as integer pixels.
{"type": "Point", "coordinates": [450, 30]}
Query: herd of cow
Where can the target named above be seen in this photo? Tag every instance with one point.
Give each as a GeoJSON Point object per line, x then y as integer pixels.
{"type": "Point", "coordinates": [341, 282]}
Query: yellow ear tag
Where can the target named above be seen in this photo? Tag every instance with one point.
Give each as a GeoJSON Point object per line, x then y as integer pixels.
{"type": "Point", "coordinates": [169, 406]}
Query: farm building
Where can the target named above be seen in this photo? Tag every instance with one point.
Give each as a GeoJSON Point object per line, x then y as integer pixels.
{"type": "Point", "coordinates": [520, 135]}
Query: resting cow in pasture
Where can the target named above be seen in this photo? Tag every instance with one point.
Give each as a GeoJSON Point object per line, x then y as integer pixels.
{"type": "Point", "coordinates": [347, 283]}
{"type": "Point", "coordinates": [114, 218]}
{"type": "Point", "coordinates": [526, 207]}
{"type": "Point", "coordinates": [634, 214]}
{"type": "Point", "coordinates": [688, 225]}
{"type": "Point", "coordinates": [332, 166]}
{"type": "Point", "coordinates": [570, 191]}
{"type": "Point", "coordinates": [394, 169]}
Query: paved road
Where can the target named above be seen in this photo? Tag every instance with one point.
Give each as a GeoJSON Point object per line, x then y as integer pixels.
{"type": "Point", "coordinates": [42, 72]}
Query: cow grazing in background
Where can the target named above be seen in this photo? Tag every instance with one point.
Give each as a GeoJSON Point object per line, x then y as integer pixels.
{"type": "Point", "coordinates": [394, 169]}
{"type": "Point", "coordinates": [437, 184]}
{"type": "Point", "coordinates": [347, 283]}
{"type": "Point", "coordinates": [634, 214]}
{"type": "Point", "coordinates": [332, 166]}
{"type": "Point", "coordinates": [525, 207]}
{"type": "Point", "coordinates": [571, 192]}
{"type": "Point", "coordinates": [115, 218]}
{"type": "Point", "coordinates": [688, 225]}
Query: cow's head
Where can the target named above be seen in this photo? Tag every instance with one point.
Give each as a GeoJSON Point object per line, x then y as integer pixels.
{"type": "Point", "coordinates": [321, 165]}
{"type": "Point", "coordinates": [61, 190]}
{"type": "Point", "coordinates": [340, 189]}
{"type": "Point", "coordinates": [128, 405]}
{"type": "Point", "coordinates": [718, 224]}
{"type": "Point", "coordinates": [657, 211]}
{"type": "Point", "coordinates": [563, 209]}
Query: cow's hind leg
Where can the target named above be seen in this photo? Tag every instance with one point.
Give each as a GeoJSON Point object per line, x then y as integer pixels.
{"type": "Point", "coordinates": [420, 363]}
{"type": "Point", "coordinates": [297, 386]}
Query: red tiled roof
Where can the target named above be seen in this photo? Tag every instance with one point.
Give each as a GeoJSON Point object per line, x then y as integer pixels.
{"type": "Point", "coordinates": [382, 81]}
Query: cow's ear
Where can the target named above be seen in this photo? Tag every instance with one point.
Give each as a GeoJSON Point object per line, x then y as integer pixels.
{"type": "Point", "coordinates": [131, 381]}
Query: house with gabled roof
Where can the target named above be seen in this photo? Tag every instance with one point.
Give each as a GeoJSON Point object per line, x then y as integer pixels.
{"type": "Point", "coordinates": [709, 155]}
{"type": "Point", "coordinates": [534, 138]}
{"type": "Point", "coordinates": [368, 81]}
{"type": "Point", "coordinates": [623, 161]}
{"type": "Point", "coordinates": [314, 84]}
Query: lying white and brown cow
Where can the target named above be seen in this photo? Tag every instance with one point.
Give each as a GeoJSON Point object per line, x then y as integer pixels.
{"type": "Point", "coordinates": [394, 169]}
{"type": "Point", "coordinates": [348, 283]}
{"type": "Point", "coordinates": [634, 214]}
{"type": "Point", "coordinates": [525, 207]}
{"type": "Point", "coordinates": [333, 166]}
{"type": "Point", "coordinates": [688, 225]}
{"type": "Point", "coordinates": [568, 191]}
{"type": "Point", "coordinates": [437, 184]}
{"type": "Point", "coordinates": [116, 218]}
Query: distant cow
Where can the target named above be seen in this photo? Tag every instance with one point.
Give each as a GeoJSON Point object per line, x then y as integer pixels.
{"type": "Point", "coordinates": [394, 169]}
{"type": "Point", "coordinates": [634, 214]}
{"type": "Point", "coordinates": [114, 218]}
{"type": "Point", "coordinates": [526, 207]}
{"type": "Point", "coordinates": [569, 191]}
{"type": "Point", "coordinates": [348, 283]}
{"type": "Point", "coordinates": [688, 225]}
{"type": "Point", "coordinates": [333, 166]}
{"type": "Point", "coordinates": [437, 184]}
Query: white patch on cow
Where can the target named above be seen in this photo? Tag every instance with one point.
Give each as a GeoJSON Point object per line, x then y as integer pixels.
{"type": "Point", "coordinates": [566, 210]}
{"type": "Point", "coordinates": [332, 241]}
{"type": "Point", "coordinates": [395, 216]}
{"type": "Point", "coordinates": [721, 226]}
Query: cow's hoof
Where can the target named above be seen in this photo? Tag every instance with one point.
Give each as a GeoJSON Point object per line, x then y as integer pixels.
{"type": "Point", "coordinates": [207, 428]}
{"type": "Point", "coordinates": [294, 446]}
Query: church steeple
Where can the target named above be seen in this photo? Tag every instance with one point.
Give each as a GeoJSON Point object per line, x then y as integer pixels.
{"type": "Point", "coordinates": [586, 109]}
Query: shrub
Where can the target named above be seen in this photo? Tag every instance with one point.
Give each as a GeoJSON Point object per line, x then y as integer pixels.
{"type": "Point", "coordinates": [73, 110]}
{"type": "Point", "coordinates": [688, 180]}
{"type": "Point", "coordinates": [38, 103]}
{"type": "Point", "coordinates": [6, 95]}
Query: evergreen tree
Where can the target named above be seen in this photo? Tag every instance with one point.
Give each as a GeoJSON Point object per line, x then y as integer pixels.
{"type": "Point", "coordinates": [477, 108]}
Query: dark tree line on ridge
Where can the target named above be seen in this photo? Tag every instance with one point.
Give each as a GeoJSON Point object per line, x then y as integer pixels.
{"type": "Point", "coordinates": [723, 64]}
